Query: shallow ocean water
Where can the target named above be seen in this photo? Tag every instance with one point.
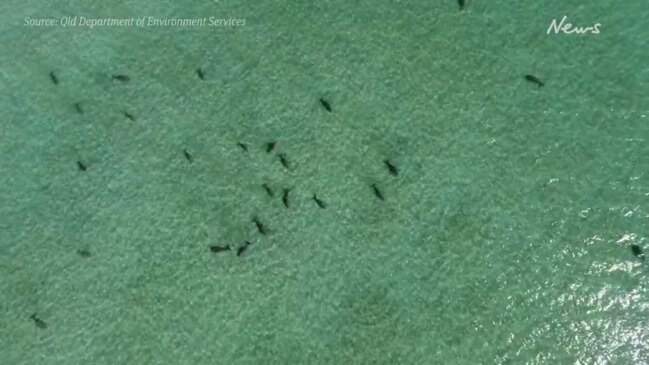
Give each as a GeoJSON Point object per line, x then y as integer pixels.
{"type": "Point", "coordinates": [505, 238]}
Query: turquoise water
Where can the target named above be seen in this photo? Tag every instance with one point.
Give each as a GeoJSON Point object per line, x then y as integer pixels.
{"type": "Point", "coordinates": [505, 238]}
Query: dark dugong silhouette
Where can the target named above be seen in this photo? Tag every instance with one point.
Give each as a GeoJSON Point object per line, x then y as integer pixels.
{"type": "Point", "coordinates": [637, 252]}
